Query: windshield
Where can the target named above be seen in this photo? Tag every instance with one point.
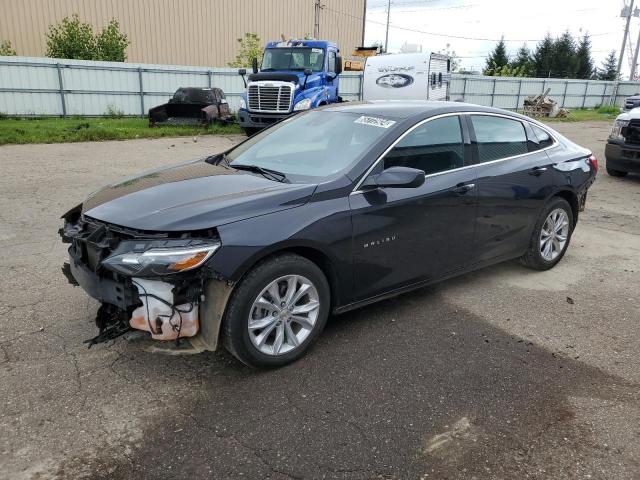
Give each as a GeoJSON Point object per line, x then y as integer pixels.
{"type": "Point", "coordinates": [311, 145]}
{"type": "Point", "coordinates": [296, 58]}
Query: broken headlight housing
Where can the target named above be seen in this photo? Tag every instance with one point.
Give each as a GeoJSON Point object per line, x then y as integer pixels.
{"type": "Point", "coordinates": [154, 258]}
{"type": "Point", "coordinates": [616, 130]}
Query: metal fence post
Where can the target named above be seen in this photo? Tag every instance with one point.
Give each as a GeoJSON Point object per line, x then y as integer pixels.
{"type": "Point", "coordinates": [464, 88]}
{"type": "Point", "coordinates": [584, 98]}
{"type": "Point", "coordinates": [61, 88]}
{"type": "Point", "coordinates": [141, 91]}
{"type": "Point", "coordinates": [209, 74]}
{"type": "Point", "coordinates": [564, 95]}
{"type": "Point", "coordinates": [493, 92]}
{"type": "Point", "coordinates": [519, 92]}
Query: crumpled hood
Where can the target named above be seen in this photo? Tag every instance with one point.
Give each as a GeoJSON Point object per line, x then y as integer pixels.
{"type": "Point", "coordinates": [191, 196]}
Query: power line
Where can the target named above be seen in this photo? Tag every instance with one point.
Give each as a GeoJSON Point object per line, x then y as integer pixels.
{"type": "Point", "coordinates": [459, 37]}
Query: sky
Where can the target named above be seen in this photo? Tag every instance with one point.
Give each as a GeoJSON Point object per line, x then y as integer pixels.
{"type": "Point", "coordinates": [439, 25]}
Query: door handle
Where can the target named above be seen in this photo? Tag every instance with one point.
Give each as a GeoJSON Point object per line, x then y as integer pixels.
{"type": "Point", "coordinates": [537, 171]}
{"type": "Point", "coordinates": [463, 188]}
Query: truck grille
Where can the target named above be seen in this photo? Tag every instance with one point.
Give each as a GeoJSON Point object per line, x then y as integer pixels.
{"type": "Point", "coordinates": [275, 99]}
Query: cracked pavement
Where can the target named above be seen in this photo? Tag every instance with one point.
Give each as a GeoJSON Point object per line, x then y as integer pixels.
{"type": "Point", "coordinates": [492, 375]}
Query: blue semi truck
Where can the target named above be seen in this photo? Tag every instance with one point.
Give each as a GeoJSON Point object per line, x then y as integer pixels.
{"type": "Point", "coordinates": [295, 75]}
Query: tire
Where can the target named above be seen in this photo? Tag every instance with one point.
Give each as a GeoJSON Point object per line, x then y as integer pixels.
{"type": "Point", "coordinates": [616, 173]}
{"type": "Point", "coordinates": [249, 131]}
{"type": "Point", "coordinates": [537, 256]}
{"type": "Point", "coordinates": [281, 329]}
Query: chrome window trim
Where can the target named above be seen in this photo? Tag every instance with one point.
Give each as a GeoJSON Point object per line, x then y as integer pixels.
{"type": "Point", "coordinates": [435, 117]}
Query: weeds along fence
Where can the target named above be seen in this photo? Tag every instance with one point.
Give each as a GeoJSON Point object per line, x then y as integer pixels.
{"type": "Point", "coordinates": [52, 87]}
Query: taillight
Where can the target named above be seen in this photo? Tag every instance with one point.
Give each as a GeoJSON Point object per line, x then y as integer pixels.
{"type": "Point", "coordinates": [593, 161]}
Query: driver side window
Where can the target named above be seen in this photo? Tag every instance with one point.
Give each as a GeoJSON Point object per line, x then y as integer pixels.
{"type": "Point", "coordinates": [433, 147]}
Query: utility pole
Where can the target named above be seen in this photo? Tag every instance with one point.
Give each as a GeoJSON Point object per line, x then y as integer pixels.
{"type": "Point", "coordinates": [632, 75]}
{"type": "Point", "coordinates": [386, 37]}
{"type": "Point", "coordinates": [316, 21]}
{"type": "Point", "coordinates": [626, 33]}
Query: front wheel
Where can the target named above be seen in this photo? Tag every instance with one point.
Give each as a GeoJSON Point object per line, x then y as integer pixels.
{"type": "Point", "coordinates": [551, 236]}
{"type": "Point", "coordinates": [277, 311]}
{"type": "Point", "coordinates": [249, 131]}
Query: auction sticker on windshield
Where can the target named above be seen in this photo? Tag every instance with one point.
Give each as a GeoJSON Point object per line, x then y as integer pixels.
{"type": "Point", "coordinates": [375, 121]}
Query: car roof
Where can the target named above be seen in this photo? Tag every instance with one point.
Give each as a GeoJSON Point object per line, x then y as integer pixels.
{"type": "Point", "coordinates": [415, 108]}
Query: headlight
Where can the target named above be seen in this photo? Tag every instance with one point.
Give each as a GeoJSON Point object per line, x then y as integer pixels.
{"type": "Point", "coordinates": [303, 105]}
{"type": "Point", "coordinates": [243, 103]}
{"type": "Point", "coordinates": [616, 131]}
{"type": "Point", "coordinates": [159, 257]}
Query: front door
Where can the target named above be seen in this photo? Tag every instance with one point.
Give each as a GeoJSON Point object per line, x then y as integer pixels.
{"type": "Point", "coordinates": [408, 235]}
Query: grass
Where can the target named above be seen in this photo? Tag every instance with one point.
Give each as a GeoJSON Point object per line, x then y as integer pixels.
{"type": "Point", "coordinates": [605, 113]}
{"type": "Point", "coordinates": [61, 130]}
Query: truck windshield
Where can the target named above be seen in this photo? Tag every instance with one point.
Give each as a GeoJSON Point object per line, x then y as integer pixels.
{"type": "Point", "coordinates": [311, 145]}
{"type": "Point", "coordinates": [295, 58]}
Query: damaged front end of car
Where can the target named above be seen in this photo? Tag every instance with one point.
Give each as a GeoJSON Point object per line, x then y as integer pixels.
{"type": "Point", "coordinates": [154, 282]}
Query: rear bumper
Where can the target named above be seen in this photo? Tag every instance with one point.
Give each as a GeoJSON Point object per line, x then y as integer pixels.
{"type": "Point", "coordinates": [623, 157]}
{"type": "Point", "coordinates": [248, 119]}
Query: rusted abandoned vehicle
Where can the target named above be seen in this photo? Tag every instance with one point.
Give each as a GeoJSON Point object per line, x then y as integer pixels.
{"type": "Point", "coordinates": [192, 106]}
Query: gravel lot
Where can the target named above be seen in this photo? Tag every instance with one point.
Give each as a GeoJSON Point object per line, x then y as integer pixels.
{"type": "Point", "coordinates": [505, 373]}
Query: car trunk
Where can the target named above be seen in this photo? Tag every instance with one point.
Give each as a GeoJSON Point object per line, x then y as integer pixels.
{"type": "Point", "coordinates": [178, 113]}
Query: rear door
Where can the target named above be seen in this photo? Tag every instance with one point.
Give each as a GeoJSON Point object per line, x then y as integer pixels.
{"type": "Point", "coordinates": [515, 177]}
{"type": "Point", "coordinates": [407, 235]}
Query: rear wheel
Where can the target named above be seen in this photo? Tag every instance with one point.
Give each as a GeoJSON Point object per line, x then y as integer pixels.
{"type": "Point", "coordinates": [277, 311]}
{"type": "Point", "coordinates": [616, 173]}
{"type": "Point", "coordinates": [551, 236]}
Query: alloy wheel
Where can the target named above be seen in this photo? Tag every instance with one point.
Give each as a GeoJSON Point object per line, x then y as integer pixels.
{"type": "Point", "coordinates": [554, 234]}
{"type": "Point", "coordinates": [283, 315]}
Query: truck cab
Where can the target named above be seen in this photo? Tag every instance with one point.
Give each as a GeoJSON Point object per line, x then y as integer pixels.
{"type": "Point", "coordinates": [295, 75]}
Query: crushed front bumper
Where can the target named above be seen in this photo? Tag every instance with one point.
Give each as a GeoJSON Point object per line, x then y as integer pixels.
{"type": "Point", "coordinates": [184, 306]}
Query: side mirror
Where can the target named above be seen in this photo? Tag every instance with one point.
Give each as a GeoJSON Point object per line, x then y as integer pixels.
{"type": "Point", "coordinates": [338, 65]}
{"type": "Point", "coordinates": [396, 177]}
{"type": "Point", "coordinates": [254, 65]}
{"type": "Point", "coordinates": [242, 72]}
{"type": "Point", "coordinates": [307, 72]}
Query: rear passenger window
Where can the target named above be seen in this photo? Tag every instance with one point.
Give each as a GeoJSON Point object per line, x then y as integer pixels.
{"type": "Point", "coordinates": [498, 137]}
{"type": "Point", "coordinates": [544, 139]}
{"type": "Point", "coordinates": [433, 147]}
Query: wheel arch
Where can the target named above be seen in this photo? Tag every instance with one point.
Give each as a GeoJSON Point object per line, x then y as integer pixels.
{"type": "Point", "coordinates": [572, 198]}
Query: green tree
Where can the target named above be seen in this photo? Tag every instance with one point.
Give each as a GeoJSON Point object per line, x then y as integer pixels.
{"type": "Point", "coordinates": [523, 61]}
{"type": "Point", "coordinates": [6, 49]}
{"type": "Point", "coordinates": [498, 58]}
{"type": "Point", "coordinates": [564, 60]}
{"type": "Point", "coordinates": [609, 70]}
{"type": "Point", "coordinates": [542, 57]}
{"type": "Point", "coordinates": [71, 38]}
{"type": "Point", "coordinates": [74, 39]}
{"type": "Point", "coordinates": [111, 44]}
{"type": "Point", "coordinates": [505, 71]}
{"type": "Point", "coordinates": [584, 62]}
{"type": "Point", "coordinates": [250, 47]}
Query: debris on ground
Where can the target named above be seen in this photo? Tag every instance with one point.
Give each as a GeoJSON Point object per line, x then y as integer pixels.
{"type": "Point", "coordinates": [542, 106]}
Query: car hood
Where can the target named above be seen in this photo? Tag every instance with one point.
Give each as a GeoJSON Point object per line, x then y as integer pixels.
{"type": "Point", "coordinates": [191, 196]}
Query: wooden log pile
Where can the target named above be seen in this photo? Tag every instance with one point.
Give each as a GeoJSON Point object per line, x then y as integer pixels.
{"type": "Point", "coordinates": [542, 106]}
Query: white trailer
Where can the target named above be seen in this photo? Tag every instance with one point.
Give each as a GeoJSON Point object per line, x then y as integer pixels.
{"type": "Point", "coordinates": [407, 76]}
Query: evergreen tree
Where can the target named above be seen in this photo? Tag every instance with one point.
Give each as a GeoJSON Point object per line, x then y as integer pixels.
{"type": "Point", "coordinates": [584, 62]}
{"type": "Point", "coordinates": [523, 61]}
{"type": "Point", "coordinates": [543, 56]}
{"type": "Point", "coordinates": [498, 58]}
{"type": "Point", "coordinates": [609, 70]}
{"type": "Point", "coordinates": [564, 61]}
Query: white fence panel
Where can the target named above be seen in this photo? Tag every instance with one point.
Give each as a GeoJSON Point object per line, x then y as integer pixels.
{"type": "Point", "coordinates": [46, 86]}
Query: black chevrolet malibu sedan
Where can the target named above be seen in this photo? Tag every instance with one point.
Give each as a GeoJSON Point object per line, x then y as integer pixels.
{"type": "Point", "coordinates": [324, 212]}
